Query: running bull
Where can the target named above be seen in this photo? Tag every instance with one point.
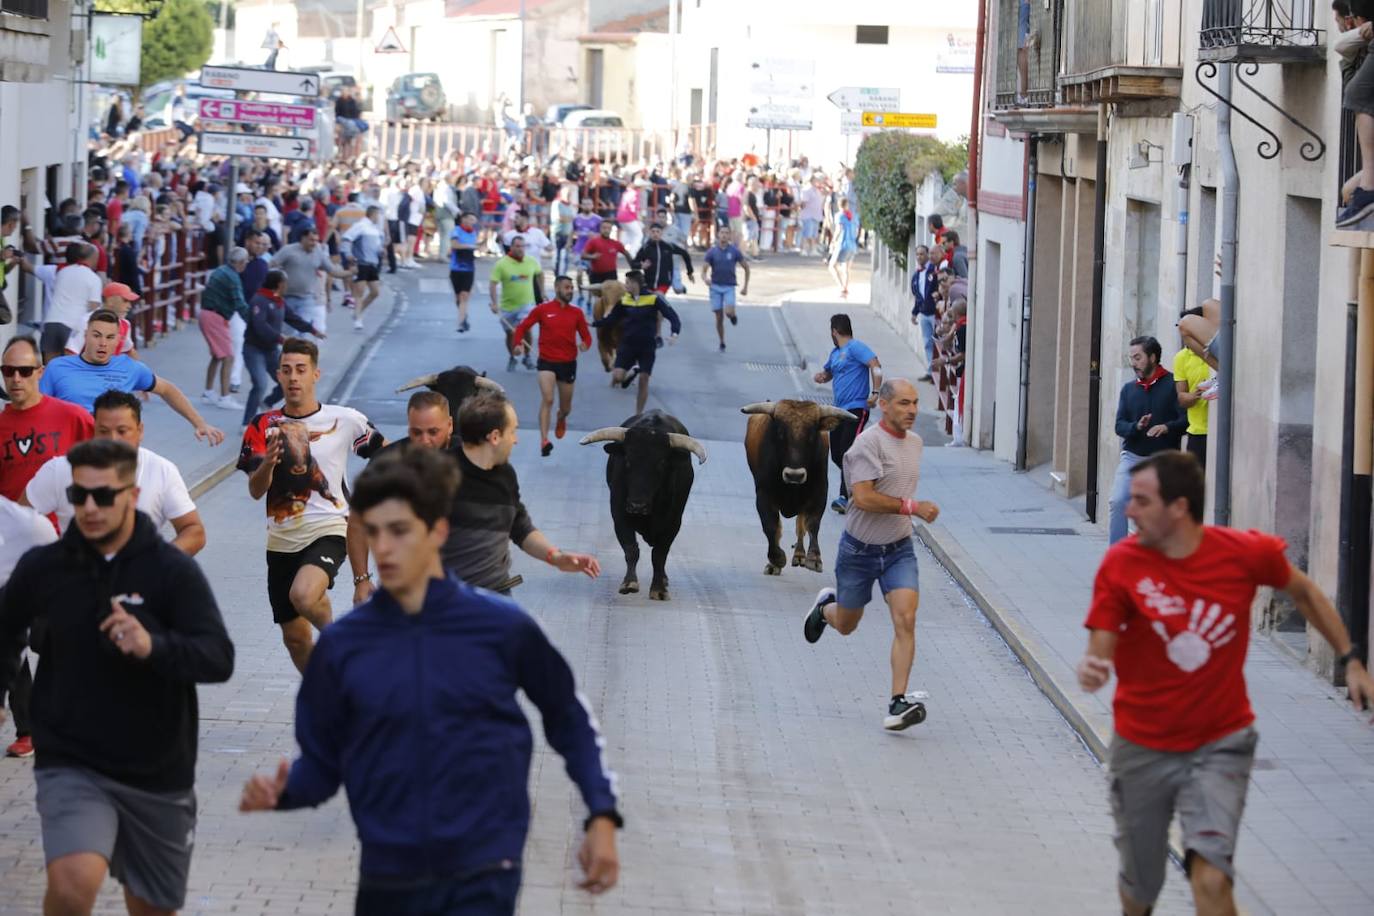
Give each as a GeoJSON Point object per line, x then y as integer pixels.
{"type": "Point", "coordinates": [456, 384]}
{"type": "Point", "coordinates": [788, 444]}
{"type": "Point", "coordinates": [649, 472]}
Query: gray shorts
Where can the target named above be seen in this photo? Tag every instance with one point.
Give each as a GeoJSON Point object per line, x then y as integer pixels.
{"type": "Point", "coordinates": [1206, 787]}
{"type": "Point", "coordinates": [146, 837]}
{"type": "Point", "coordinates": [1359, 91]}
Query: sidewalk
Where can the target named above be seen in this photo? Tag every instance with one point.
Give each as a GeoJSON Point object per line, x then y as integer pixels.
{"type": "Point", "coordinates": [181, 358]}
{"type": "Point", "coordinates": [1028, 558]}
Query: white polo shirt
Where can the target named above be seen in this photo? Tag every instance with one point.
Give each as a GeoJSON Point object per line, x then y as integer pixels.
{"type": "Point", "coordinates": [162, 494]}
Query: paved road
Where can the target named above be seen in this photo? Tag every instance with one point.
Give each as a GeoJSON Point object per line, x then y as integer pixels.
{"type": "Point", "coordinates": [755, 773]}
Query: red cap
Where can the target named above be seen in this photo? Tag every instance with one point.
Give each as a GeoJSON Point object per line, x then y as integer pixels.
{"type": "Point", "coordinates": [121, 290]}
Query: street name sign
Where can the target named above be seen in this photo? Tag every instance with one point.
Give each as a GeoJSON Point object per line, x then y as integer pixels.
{"type": "Point", "coordinates": [898, 119]}
{"type": "Point", "coordinates": [780, 115]}
{"type": "Point", "coordinates": [866, 98]}
{"type": "Point", "coordinates": [259, 146]}
{"type": "Point", "coordinates": [235, 111]}
{"type": "Point", "coordinates": [253, 79]}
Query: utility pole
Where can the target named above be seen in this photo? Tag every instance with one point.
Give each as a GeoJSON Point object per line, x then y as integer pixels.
{"type": "Point", "coordinates": [360, 16]}
{"type": "Point", "coordinates": [520, 112]}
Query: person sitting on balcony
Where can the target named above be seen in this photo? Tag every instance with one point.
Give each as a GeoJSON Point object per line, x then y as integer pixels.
{"type": "Point", "coordinates": [1358, 192]}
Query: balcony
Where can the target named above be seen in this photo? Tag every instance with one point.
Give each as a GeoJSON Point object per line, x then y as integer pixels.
{"type": "Point", "coordinates": [34, 9]}
{"type": "Point", "coordinates": [25, 35]}
{"type": "Point", "coordinates": [1035, 87]}
{"type": "Point", "coordinates": [1261, 31]}
{"type": "Point", "coordinates": [1122, 50]}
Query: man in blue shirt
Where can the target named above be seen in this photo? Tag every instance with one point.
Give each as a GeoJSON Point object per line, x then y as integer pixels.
{"type": "Point", "coordinates": [83, 378]}
{"type": "Point", "coordinates": [720, 276]}
{"type": "Point", "coordinates": [462, 265]}
{"type": "Point", "coordinates": [434, 754]}
{"type": "Point", "coordinates": [855, 375]}
{"type": "Point", "coordinates": [846, 245]}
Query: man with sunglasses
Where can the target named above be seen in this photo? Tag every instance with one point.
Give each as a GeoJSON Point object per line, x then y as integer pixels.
{"type": "Point", "coordinates": [81, 379]}
{"type": "Point", "coordinates": [129, 627]}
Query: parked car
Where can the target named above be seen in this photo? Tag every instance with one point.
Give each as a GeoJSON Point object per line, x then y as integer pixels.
{"type": "Point", "coordinates": [416, 95]}
{"type": "Point", "coordinates": [332, 84]}
{"type": "Point", "coordinates": [556, 114]}
{"type": "Point", "coordinates": [595, 131]}
{"type": "Point", "coordinates": [157, 99]}
{"type": "Point", "coordinates": [593, 117]}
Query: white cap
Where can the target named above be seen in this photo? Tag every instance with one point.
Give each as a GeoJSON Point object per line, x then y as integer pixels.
{"type": "Point", "coordinates": [242, 188]}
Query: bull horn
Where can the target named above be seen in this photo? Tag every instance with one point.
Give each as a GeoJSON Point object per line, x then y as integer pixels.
{"type": "Point", "coordinates": [420, 382]}
{"type": "Point", "coordinates": [828, 411]}
{"type": "Point", "coordinates": [678, 440]}
{"type": "Point", "coordinates": [604, 434]}
{"type": "Point", "coordinates": [488, 384]}
{"type": "Point", "coordinates": [759, 407]}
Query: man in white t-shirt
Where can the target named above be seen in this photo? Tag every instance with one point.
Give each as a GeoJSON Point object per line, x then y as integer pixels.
{"type": "Point", "coordinates": [76, 292]}
{"type": "Point", "coordinates": [536, 243]}
{"type": "Point", "coordinates": [295, 457]}
{"type": "Point", "coordinates": [162, 493]}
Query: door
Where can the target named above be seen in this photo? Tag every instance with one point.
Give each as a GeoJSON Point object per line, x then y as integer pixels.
{"type": "Point", "coordinates": [696, 107]}
{"type": "Point", "coordinates": [596, 70]}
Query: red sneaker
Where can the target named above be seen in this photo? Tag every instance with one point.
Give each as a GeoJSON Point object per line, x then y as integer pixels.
{"type": "Point", "coordinates": [560, 428]}
{"type": "Point", "coordinates": [22, 747]}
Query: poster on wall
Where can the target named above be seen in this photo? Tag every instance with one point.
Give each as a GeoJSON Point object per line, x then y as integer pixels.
{"type": "Point", "coordinates": [956, 53]}
{"type": "Point", "coordinates": [116, 49]}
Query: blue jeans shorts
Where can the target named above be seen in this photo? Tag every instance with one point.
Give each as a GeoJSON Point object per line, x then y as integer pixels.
{"type": "Point", "coordinates": [859, 565]}
{"type": "Point", "coordinates": [722, 297]}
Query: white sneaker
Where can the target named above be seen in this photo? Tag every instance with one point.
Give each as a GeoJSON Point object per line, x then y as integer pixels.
{"type": "Point", "coordinates": [1210, 388]}
{"type": "Point", "coordinates": [357, 324]}
{"type": "Point", "coordinates": [209, 397]}
{"type": "Point", "coordinates": [410, 265]}
{"type": "Point", "coordinates": [229, 402]}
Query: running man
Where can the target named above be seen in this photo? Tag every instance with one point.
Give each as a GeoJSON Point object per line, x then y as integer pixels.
{"type": "Point", "coordinates": [600, 254]}
{"type": "Point", "coordinates": [295, 456]}
{"type": "Point", "coordinates": [846, 246]}
{"type": "Point", "coordinates": [720, 277]}
{"type": "Point", "coordinates": [560, 324]}
{"type": "Point", "coordinates": [462, 265]}
{"type": "Point", "coordinates": [472, 652]}
{"type": "Point", "coordinates": [512, 294]}
{"type": "Point", "coordinates": [637, 350]}
{"type": "Point", "coordinates": [855, 376]}
{"type": "Point", "coordinates": [883, 467]}
{"type": "Point", "coordinates": [1171, 615]}
{"type": "Point", "coordinates": [364, 244]}
{"type": "Point", "coordinates": [586, 226]}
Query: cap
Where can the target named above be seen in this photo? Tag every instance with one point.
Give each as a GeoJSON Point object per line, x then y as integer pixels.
{"type": "Point", "coordinates": [121, 290]}
{"type": "Point", "coordinates": [242, 188]}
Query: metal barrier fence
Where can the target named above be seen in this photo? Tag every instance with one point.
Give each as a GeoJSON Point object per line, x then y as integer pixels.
{"type": "Point", "coordinates": [173, 281]}
{"type": "Point", "coordinates": [431, 140]}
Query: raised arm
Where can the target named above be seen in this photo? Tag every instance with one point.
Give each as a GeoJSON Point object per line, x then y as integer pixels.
{"type": "Point", "coordinates": [179, 402]}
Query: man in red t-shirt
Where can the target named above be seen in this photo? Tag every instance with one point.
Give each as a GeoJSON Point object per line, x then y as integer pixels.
{"type": "Point", "coordinates": [560, 325]}
{"type": "Point", "coordinates": [600, 253]}
{"type": "Point", "coordinates": [33, 428]}
{"type": "Point", "coordinates": [1171, 613]}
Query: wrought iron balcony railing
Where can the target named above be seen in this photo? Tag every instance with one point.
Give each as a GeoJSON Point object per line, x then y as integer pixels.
{"type": "Point", "coordinates": [1261, 31]}
{"type": "Point", "coordinates": [1027, 80]}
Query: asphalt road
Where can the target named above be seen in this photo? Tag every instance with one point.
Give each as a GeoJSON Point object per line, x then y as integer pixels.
{"type": "Point", "coordinates": [755, 774]}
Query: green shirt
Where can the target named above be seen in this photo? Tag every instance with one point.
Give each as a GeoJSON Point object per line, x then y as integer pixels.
{"type": "Point", "coordinates": [517, 282]}
{"type": "Point", "coordinates": [1190, 368]}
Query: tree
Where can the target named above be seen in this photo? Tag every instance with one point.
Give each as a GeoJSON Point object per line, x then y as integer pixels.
{"type": "Point", "coordinates": [176, 41]}
{"type": "Point", "coordinates": [888, 169]}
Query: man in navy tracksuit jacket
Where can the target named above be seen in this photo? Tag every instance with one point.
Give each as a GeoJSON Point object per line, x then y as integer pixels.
{"type": "Point", "coordinates": [1148, 420]}
{"type": "Point", "coordinates": [410, 703]}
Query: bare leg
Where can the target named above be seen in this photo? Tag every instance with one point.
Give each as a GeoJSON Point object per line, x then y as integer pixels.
{"type": "Point", "coordinates": [1211, 889]}
{"type": "Point", "coordinates": [210, 373]}
{"type": "Point", "coordinates": [310, 598]}
{"type": "Point", "coordinates": [617, 376]}
{"type": "Point", "coordinates": [845, 620]}
{"type": "Point", "coordinates": [902, 603]}
{"type": "Point", "coordinates": [565, 399]}
{"type": "Point", "coordinates": [226, 369]}
{"type": "Point", "coordinates": [720, 325]}
{"type": "Point", "coordinates": [546, 383]}
{"type": "Point", "coordinates": [642, 397]}
{"type": "Point", "coordinates": [1364, 130]}
{"type": "Point", "coordinates": [73, 884]}
{"type": "Point", "coordinates": [463, 307]}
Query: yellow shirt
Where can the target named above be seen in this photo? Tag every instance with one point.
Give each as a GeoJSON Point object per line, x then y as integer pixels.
{"type": "Point", "coordinates": [1190, 368]}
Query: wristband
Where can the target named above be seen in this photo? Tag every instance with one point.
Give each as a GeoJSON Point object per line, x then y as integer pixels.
{"type": "Point", "coordinates": [611, 815]}
{"type": "Point", "coordinates": [909, 507]}
{"type": "Point", "coordinates": [365, 577]}
{"type": "Point", "coordinates": [1352, 656]}
{"type": "Point", "coordinates": [548, 557]}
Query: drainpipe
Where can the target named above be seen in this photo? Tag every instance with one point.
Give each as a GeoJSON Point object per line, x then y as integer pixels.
{"type": "Point", "coordinates": [1095, 341]}
{"type": "Point", "coordinates": [974, 128]}
{"type": "Point", "coordinates": [1027, 279]}
{"type": "Point", "coordinates": [1357, 461]}
{"type": "Point", "coordinates": [1226, 338]}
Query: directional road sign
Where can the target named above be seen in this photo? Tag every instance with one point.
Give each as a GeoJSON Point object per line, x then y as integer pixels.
{"type": "Point", "coordinates": [898, 119]}
{"type": "Point", "coordinates": [780, 115]}
{"type": "Point", "coordinates": [235, 111]}
{"type": "Point", "coordinates": [259, 146]}
{"type": "Point", "coordinates": [866, 98]}
{"type": "Point", "coordinates": [253, 79]}
{"type": "Point", "coordinates": [780, 93]}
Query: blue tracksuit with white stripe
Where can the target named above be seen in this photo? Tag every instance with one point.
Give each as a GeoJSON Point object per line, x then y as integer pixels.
{"type": "Point", "coordinates": [416, 716]}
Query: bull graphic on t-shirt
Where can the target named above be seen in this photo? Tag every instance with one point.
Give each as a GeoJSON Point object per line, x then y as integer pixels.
{"type": "Point", "coordinates": [298, 474]}
{"type": "Point", "coordinates": [1207, 627]}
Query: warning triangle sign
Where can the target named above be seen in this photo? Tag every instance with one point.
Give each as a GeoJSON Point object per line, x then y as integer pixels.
{"type": "Point", "coordinates": [391, 43]}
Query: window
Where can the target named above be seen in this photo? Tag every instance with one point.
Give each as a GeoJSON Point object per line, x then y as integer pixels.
{"type": "Point", "coordinates": [870, 34]}
{"type": "Point", "coordinates": [36, 9]}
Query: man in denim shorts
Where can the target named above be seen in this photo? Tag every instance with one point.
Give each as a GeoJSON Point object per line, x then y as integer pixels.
{"type": "Point", "coordinates": [882, 468]}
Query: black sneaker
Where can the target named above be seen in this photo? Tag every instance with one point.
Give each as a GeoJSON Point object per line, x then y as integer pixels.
{"type": "Point", "coordinates": [722, 346]}
{"type": "Point", "coordinates": [546, 449]}
{"type": "Point", "coordinates": [904, 712]}
{"type": "Point", "coordinates": [814, 624]}
{"type": "Point", "coordinates": [630, 377]}
{"type": "Point", "coordinates": [734, 319]}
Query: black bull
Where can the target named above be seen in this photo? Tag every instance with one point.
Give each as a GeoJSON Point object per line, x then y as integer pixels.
{"type": "Point", "coordinates": [788, 444]}
{"type": "Point", "coordinates": [649, 472]}
{"type": "Point", "coordinates": [456, 385]}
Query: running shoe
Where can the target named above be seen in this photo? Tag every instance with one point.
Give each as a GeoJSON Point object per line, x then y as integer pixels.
{"type": "Point", "coordinates": [511, 364]}
{"type": "Point", "coordinates": [22, 747]}
{"type": "Point", "coordinates": [209, 397]}
{"type": "Point", "coordinates": [546, 449]}
{"type": "Point", "coordinates": [357, 324]}
{"type": "Point", "coordinates": [229, 402]}
{"type": "Point", "coordinates": [840, 504]}
{"type": "Point", "coordinates": [629, 377]}
{"type": "Point", "coordinates": [1210, 388]}
{"type": "Point", "coordinates": [658, 343]}
{"type": "Point", "coordinates": [1361, 205]}
{"type": "Point", "coordinates": [814, 623]}
{"type": "Point", "coordinates": [233, 389]}
{"type": "Point", "coordinates": [904, 712]}
{"type": "Point", "coordinates": [734, 319]}
{"type": "Point", "coordinates": [560, 428]}
{"type": "Point", "coordinates": [529, 361]}
{"type": "Point", "coordinates": [464, 327]}
{"type": "Point", "coordinates": [722, 346]}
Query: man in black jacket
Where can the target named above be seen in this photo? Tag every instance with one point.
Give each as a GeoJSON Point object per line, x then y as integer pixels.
{"type": "Point", "coordinates": [655, 259]}
{"type": "Point", "coordinates": [1148, 420]}
{"type": "Point", "coordinates": [126, 626]}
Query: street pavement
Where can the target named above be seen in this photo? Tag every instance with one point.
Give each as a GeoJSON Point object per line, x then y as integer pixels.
{"type": "Point", "coordinates": [755, 774]}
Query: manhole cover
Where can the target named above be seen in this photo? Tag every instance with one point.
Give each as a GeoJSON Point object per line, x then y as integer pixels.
{"type": "Point", "coordinates": [1014, 529]}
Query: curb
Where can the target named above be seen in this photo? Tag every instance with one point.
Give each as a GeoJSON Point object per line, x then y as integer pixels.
{"type": "Point", "coordinates": [222, 473]}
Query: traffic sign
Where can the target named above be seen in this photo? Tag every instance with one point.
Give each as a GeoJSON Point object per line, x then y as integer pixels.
{"type": "Point", "coordinates": [235, 111]}
{"type": "Point", "coordinates": [780, 115]}
{"type": "Point", "coordinates": [254, 79]}
{"type": "Point", "coordinates": [390, 43]}
{"type": "Point", "coordinates": [852, 124]}
{"type": "Point", "coordinates": [866, 98]}
{"type": "Point", "coordinates": [782, 87]}
{"type": "Point", "coordinates": [898, 119]}
{"type": "Point", "coordinates": [259, 146]}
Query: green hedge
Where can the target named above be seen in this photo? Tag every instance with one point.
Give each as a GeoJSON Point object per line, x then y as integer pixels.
{"type": "Point", "coordinates": [888, 170]}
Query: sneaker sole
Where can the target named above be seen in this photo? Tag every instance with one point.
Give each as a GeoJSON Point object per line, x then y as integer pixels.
{"type": "Point", "coordinates": [913, 716]}
{"type": "Point", "coordinates": [828, 594]}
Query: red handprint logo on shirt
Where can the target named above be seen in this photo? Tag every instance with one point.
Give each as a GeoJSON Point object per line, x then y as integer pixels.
{"type": "Point", "coordinates": [1207, 629]}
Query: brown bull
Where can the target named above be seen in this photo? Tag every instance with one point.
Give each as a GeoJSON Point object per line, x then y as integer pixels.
{"type": "Point", "coordinates": [608, 295]}
{"type": "Point", "coordinates": [788, 447]}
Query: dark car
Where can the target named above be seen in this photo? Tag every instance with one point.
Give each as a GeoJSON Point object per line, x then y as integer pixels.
{"type": "Point", "coordinates": [416, 95]}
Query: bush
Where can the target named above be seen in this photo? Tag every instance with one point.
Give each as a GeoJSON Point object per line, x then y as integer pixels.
{"type": "Point", "coordinates": [888, 169]}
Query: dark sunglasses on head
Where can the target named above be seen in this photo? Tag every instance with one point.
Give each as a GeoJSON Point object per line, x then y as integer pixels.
{"type": "Point", "coordinates": [23, 371]}
{"type": "Point", "coordinates": [104, 496]}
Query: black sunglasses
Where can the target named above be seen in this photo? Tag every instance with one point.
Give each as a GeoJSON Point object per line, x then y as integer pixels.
{"type": "Point", "coordinates": [23, 371]}
{"type": "Point", "coordinates": [104, 496]}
